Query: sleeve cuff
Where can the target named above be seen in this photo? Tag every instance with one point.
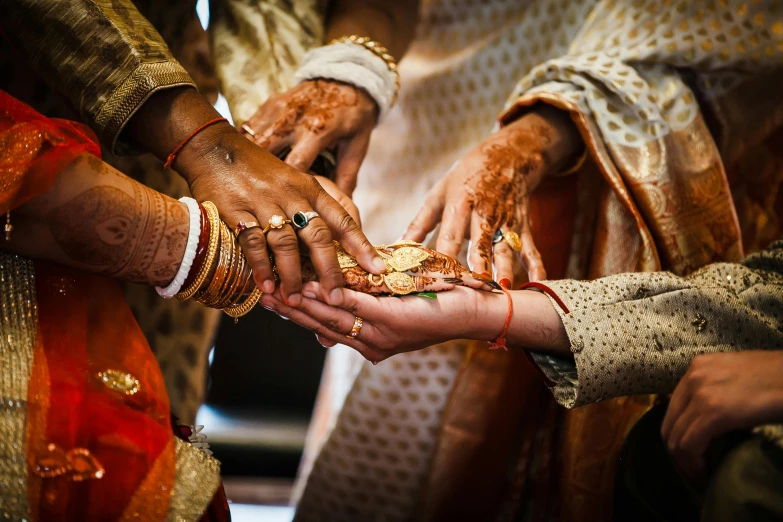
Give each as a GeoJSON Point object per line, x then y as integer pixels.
{"type": "Point", "coordinates": [125, 100]}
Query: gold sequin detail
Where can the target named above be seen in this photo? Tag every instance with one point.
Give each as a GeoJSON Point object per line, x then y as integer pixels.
{"type": "Point", "coordinates": [197, 479]}
{"type": "Point", "coordinates": [118, 381]}
{"type": "Point", "coordinates": [18, 326]}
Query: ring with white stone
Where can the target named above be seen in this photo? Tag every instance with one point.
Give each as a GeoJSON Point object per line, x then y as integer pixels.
{"type": "Point", "coordinates": [276, 222]}
{"type": "Point", "coordinates": [302, 219]}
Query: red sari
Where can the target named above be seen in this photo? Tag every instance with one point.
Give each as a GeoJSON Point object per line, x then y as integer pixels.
{"type": "Point", "coordinates": [98, 441]}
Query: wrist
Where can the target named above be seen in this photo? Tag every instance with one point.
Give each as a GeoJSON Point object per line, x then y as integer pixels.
{"type": "Point", "coordinates": [486, 323]}
{"type": "Point", "coordinates": [214, 148]}
{"type": "Point", "coordinates": [549, 133]}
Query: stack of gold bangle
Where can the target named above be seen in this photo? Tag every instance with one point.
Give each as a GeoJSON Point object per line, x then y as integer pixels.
{"type": "Point", "coordinates": [232, 277]}
{"type": "Point", "coordinates": [378, 50]}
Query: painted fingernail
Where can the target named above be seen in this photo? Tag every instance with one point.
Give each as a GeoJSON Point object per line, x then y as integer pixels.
{"type": "Point", "coordinates": [379, 265]}
{"type": "Point", "coordinates": [505, 283]}
{"type": "Point", "coordinates": [309, 294]}
{"type": "Point", "coordinates": [268, 287]}
{"type": "Point", "coordinates": [486, 275]}
{"type": "Point", "coordinates": [294, 300]}
{"type": "Point", "coordinates": [336, 296]}
{"type": "Point", "coordinates": [374, 363]}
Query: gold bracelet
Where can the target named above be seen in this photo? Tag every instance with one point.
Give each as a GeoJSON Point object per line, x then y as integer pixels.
{"type": "Point", "coordinates": [241, 309]}
{"type": "Point", "coordinates": [212, 248]}
{"type": "Point", "coordinates": [234, 277]}
{"type": "Point", "coordinates": [378, 50]}
{"type": "Point", "coordinates": [208, 296]}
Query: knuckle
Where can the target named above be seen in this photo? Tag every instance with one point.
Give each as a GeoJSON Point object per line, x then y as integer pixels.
{"type": "Point", "coordinates": [333, 274]}
{"type": "Point", "coordinates": [255, 240]}
{"type": "Point", "coordinates": [284, 242]}
{"type": "Point", "coordinates": [319, 234]}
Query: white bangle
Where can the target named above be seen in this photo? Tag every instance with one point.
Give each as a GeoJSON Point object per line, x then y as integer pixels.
{"type": "Point", "coordinates": [190, 251]}
{"type": "Point", "coordinates": [353, 64]}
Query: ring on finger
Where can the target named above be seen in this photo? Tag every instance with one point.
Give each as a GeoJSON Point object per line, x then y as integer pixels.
{"type": "Point", "coordinates": [245, 225]}
{"type": "Point", "coordinates": [358, 322]}
{"type": "Point", "coordinates": [512, 238]}
{"type": "Point", "coordinates": [247, 128]}
{"type": "Point", "coordinates": [498, 237]}
{"type": "Point", "coordinates": [302, 219]}
{"type": "Point", "coordinates": [277, 222]}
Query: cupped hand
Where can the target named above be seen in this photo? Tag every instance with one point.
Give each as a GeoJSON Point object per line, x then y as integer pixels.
{"type": "Point", "coordinates": [721, 392]}
{"type": "Point", "coordinates": [315, 116]}
{"type": "Point", "coordinates": [391, 325]}
{"type": "Point", "coordinates": [248, 184]}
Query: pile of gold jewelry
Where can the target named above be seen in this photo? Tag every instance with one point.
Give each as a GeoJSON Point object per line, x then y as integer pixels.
{"type": "Point", "coordinates": [399, 258]}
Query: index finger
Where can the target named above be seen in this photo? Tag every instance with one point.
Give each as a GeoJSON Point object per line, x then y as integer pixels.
{"type": "Point", "coordinates": [348, 233]}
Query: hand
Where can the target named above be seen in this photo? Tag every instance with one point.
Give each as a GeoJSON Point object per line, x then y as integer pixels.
{"type": "Point", "coordinates": [248, 184]}
{"type": "Point", "coordinates": [721, 392]}
{"type": "Point", "coordinates": [393, 325]}
{"type": "Point", "coordinates": [489, 189]}
{"type": "Point", "coordinates": [315, 116]}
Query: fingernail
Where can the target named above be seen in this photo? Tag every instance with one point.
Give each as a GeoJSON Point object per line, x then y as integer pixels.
{"type": "Point", "coordinates": [379, 265]}
{"type": "Point", "coordinates": [336, 296]}
{"type": "Point", "coordinates": [486, 275]}
{"type": "Point", "coordinates": [309, 294]}
{"type": "Point", "coordinates": [294, 299]}
{"type": "Point", "coordinates": [505, 283]}
{"type": "Point", "coordinates": [268, 287]}
{"type": "Point", "coordinates": [374, 363]}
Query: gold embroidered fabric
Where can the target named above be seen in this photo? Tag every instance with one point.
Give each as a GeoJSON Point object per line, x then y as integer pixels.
{"type": "Point", "coordinates": [258, 45]}
{"type": "Point", "coordinates": [103, 56]}
{"type": "Point", "coordinates": [196, 481]}
{"type": "Point", "coordinates": [18, 328]}
{"type": "Point", "coordinates": [637, 333]}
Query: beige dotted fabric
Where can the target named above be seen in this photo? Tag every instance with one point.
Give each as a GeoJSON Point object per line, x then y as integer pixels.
{"type": "Point", "coordinates": [465, 61]}
{"type": "Point", "coordinates": [620, 347]}
{"type": "Point", "coordinates": [622, 67]}
{"type": "Point", "coordinates": [371, 465]}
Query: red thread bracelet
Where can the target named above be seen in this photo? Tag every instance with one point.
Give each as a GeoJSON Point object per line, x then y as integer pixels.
{"type": "Point", "coordinates": [500, 342]}
{"type": "Point", "coordinates": [548, 291]}
{"type": "Point", "coordinates": [184, 142]}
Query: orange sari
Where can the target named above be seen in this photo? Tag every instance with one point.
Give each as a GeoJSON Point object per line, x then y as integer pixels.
{"type": "Point", "coordinates": [88, 434]}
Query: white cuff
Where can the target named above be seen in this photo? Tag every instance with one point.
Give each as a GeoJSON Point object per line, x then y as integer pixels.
{"type": "Point", "coordinates": [190, 251]}
{"type": "Point", "coordinates": [353, 64]}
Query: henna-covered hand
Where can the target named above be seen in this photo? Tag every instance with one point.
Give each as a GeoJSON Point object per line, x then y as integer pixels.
{"type": "Point", "coordinates": [315, 116]}
{"type": "Point", "coordinates": [489, 189]}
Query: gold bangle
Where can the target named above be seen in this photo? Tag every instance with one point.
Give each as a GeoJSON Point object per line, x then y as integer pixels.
{"type": "Point", "coordinates": [378, 50]}
{"type": "Point", "coordinates": [212, 248]}
{"type": "Point", "coordinates": [234, 278]}
{"type": "Point", "coordinates": [208, 296]}
{"type": "Point", "coordinates": [241, 309]}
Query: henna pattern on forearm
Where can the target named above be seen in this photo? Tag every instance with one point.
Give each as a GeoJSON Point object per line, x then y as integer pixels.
{"type": "Point", "coordinates": [137, 234]}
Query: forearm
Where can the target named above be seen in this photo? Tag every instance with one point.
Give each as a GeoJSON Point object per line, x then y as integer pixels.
{"type": "Point", "coordinates": [393, 24]}
{"type": "Point", "coordinates": [98, 220]}
{"type": "Point", "coordinates": [535, 325]}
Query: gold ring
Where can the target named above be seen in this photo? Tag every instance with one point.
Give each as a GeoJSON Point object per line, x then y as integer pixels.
{"type": "Point", "coordinates": [244, 225]}
{"type": "Point", "coordinates": [357, 327]}
{"type": "Point", "coordinates": [277, 222]}
{"type": "Point", "coordinates": [512, 238]}
{"type": "Point", "coordinates": [248, 129]}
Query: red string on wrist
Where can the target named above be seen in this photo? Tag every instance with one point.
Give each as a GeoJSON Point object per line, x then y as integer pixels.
{"type": "Point", "coordinates": [184, 142]}
{"type": "Point", "coordinates": [548, 291]}
{"type": "Point", "coordinates": [500, 342]}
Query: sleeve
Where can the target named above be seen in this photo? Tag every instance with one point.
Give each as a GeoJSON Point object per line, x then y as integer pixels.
{"type": "Point", "coordinates": [637, 333]}
{"type": "Point", "coordinates": [104, 57]}
{"type": "Point", "coordinates": [259, 44]}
